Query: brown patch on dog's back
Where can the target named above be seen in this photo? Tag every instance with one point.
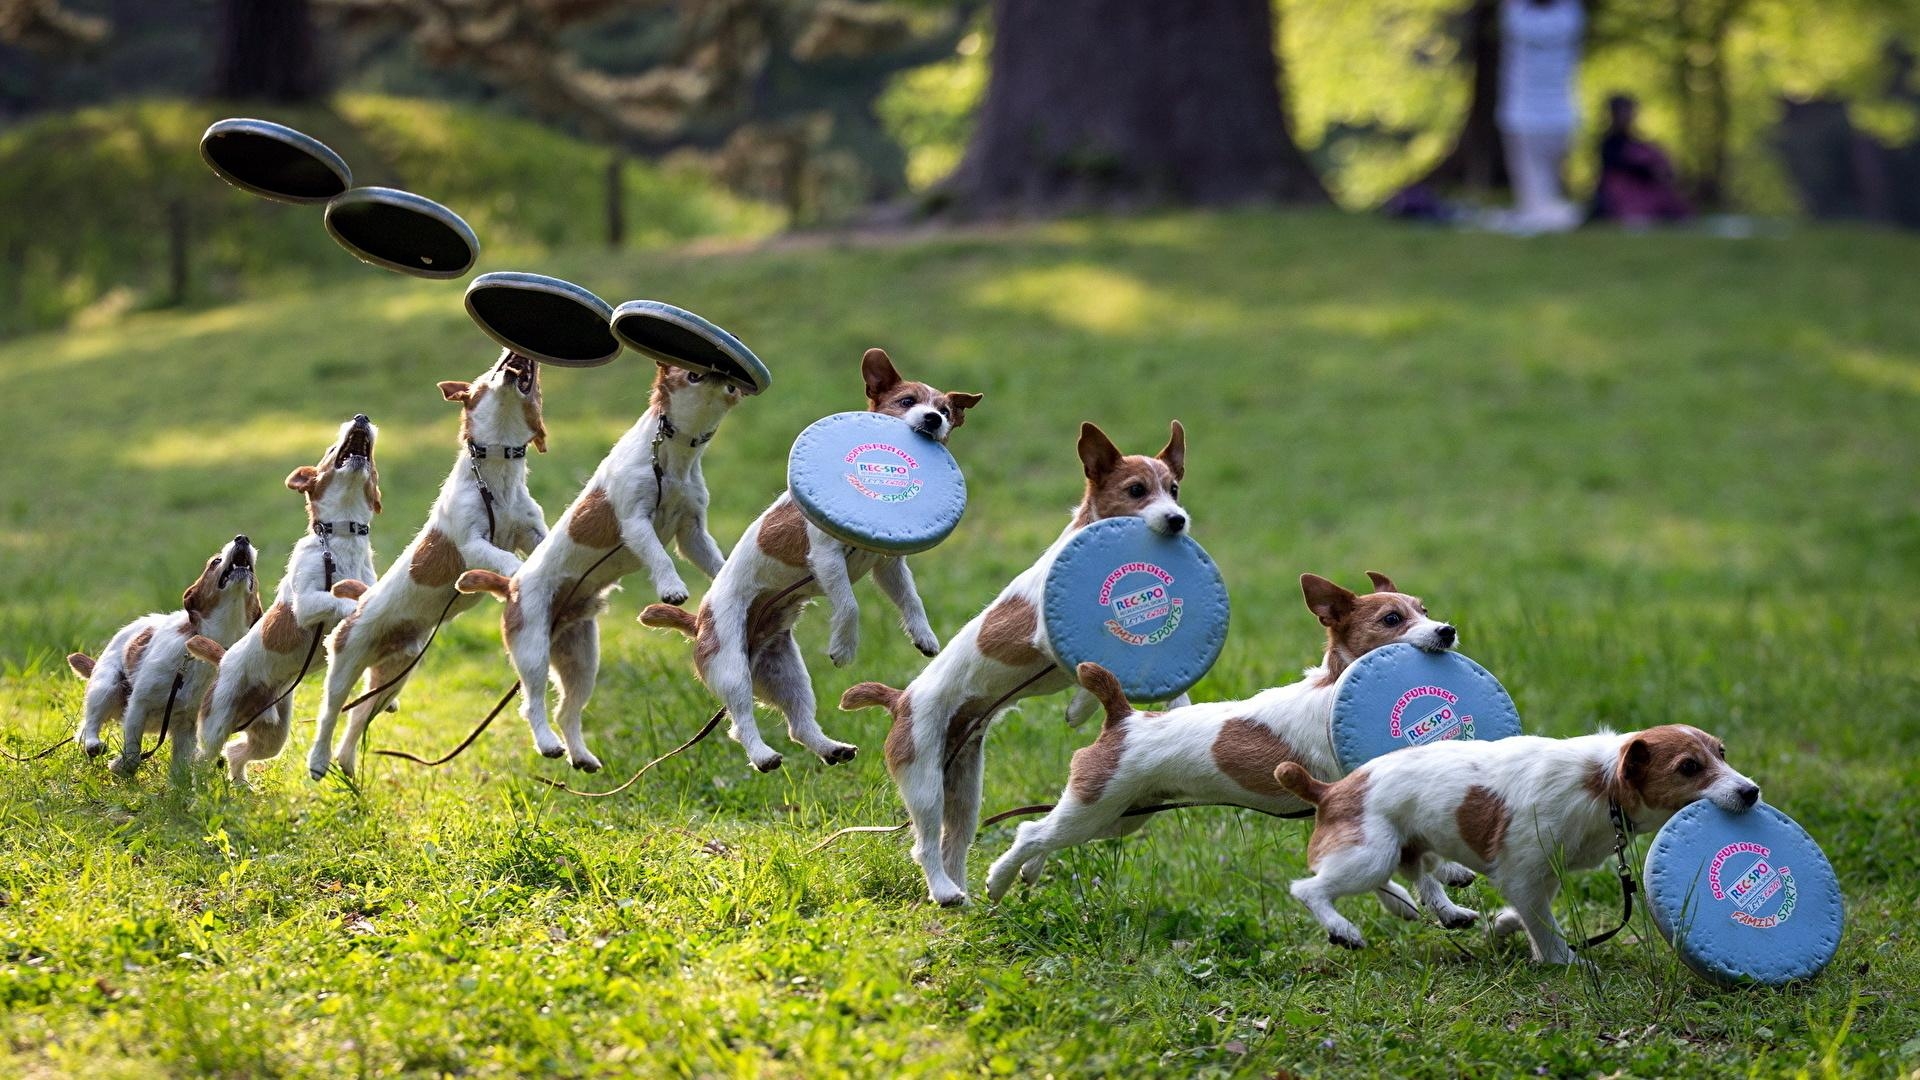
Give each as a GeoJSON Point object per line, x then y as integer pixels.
{"type": "Point", "coordinates": [593, 523]}
{"type": "Point", "coordinates": [1248, 752]}
{"type": "Point", "coordinates": [436, 562]}
{"type": "Point", "coordinates": [1006, 634]}
{"type": "Point", "coordinates": [1341, 819]}
{"type": "Point", "coordinates": [783, 534]}
{"type": "Point", "coordinates": [136, 649]}
{"type": "Point", "coordinates": [1482, 818]}
{"type": "Point", "coordinates": [1094, 765]}
{"type": "Point", "coordinates": [279, 631]}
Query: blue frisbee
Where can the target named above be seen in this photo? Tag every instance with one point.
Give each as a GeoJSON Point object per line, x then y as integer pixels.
{"type": "Point", "coordinates": [274, 161]}
{"type": "Point", "coordinates": [403, 232]}
{"type": "Point", "coordinates": [550, 320]}
{"type": "Point", "coordinates": [1744, 897]}
{"type": "Point", "coordinates": [1399, 695]}
{"type": "Point", "coordinates": [677, 336]}
{"type": "Point", "coordinates": [1151, 609]}
{"type": "Point", "coordinates": [871, 480]}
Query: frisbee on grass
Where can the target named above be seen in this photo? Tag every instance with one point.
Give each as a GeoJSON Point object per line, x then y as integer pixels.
{"type": "Point", "coordinates": [873, 481]}
{"type": "Point", "coordinates": [550, 320]}
{"type": "Point", "coordinates": [1744, 897]}
{"type": "Point", "coordinates": [677, 336]}
{"type": "Point", "coordinates": [1399, 695]}
{"type": "Point", "coordinates": [401, 231]}
{"type": "Point", "coordinates": [274, 161]}
{"type": "Point", "coordinates": [1152, 609]}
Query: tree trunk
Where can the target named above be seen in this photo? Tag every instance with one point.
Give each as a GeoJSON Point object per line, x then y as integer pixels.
{"type": "Point", "coordinates": [1122, 103]}
{"type": "Point", "coordinates": [267, 52]}
{"type": "Point", "coordinates": [1477, 162]}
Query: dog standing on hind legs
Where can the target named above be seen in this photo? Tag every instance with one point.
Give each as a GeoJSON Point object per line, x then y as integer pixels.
{"type": "Point", "coordinates": [647, 492]}
{"type": "Point", "coordinates": [934, 748]}
{"type": "Point", "coordinates": [743, 631]}
{"type": "Point", "coordinates": [327, 570]}
{"type": "Point", "coordinates": [483, 515]}
{"type": "Point", "coordinates": [133, 680]}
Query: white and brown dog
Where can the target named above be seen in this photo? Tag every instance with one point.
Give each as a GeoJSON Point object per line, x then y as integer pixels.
{"type": "Point", "coordinates": [1223, 751]}
{"type": "Point", "coordinates": [134, 678]}
{"type": "Point", "coordinates": [327, 570]}
{"type": "Point", "coordinates": [934, 748]}
{"type": "Point", "coordinates": [1514, 809]}
{"type": "Point", "coordinates": [483, 515]}
{"type": "Point", "coordinates": [743, 631]}
{"type": "Point", "coordinates": [647, 493]}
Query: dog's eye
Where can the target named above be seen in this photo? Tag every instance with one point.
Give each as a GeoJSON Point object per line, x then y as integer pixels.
{"type": "Point", "coordinates": [1392, 618]}
{"type": "Point", "coordinates": [1174, 490]}
{"type": "Point", "coordinates": [1722, 751]}
{"type": "Point", "coordinates": [944, 411]}
{"type": "Point", "coordinates": [695, 376]}
{"type": "Point", "coordinates": [1137, 490]}
{"type": "Point", "coordinates": [906, 402]}
{"type": "Point", "coordinates": [1689, 767]}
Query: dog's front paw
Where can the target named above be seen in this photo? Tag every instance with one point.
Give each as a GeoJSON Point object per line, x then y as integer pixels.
{"type": "Point", "coordinates": [318, 762]}
{"type": "Point", "coordinates": [844, 646]}
{"type": "Point", "coordinates": [1459, 918]}
{"type": "Point", "coordinates": [585, 761]}
{"type": "Point", "coordinates": [1347, 938]}
{"type": "Point", "coordinates": [766, 762]}
{"type": "Point", "coordinates": [927, 643]}
{"type": "Point", "coordinates": [1507, 922]}
{"type": "Point", "coordinates": [673, 591]}
{"type": "Point", "coordinates": [953, 899]}
{"type": "Point", "coordinates": [1455, 876]}
{"type": "Point", "coordinates": [547, 743]}
{"type": "Point", "coordinates": [839, 753]}
{"type": "Point", "coordinates": [93, 747]}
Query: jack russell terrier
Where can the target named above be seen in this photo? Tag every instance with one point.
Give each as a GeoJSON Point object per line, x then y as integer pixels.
{"type": "Point", "coordinates": [743, 632]}
{"type": "Point", "coordinates": [134, 678]}
{"type": "Point", "coordinates": [647, 492]}
{"type": "Point", "coordinates": [327, 570]}
{"type": "Point", "coordinates": [1224, 751]}
{"type": "Point", "coordinates": [1513, 809]}
{"type": "Point", "coordinates": [934, 748]}
{"type": "Point", "coordinates": [484, 514]}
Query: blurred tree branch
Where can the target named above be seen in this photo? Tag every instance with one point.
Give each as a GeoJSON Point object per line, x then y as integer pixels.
{"type": "Point", "coordinates": [45, 26]}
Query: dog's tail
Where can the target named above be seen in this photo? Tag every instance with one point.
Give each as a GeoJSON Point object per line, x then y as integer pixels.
{"type": "Point", "coordinates": [484, 581]}
{"type": "Point", "coordinates": [81, 663]}
{"type": "Point", "coordinates": [668, 617]}
{"type": "Point", "coordinates": [205, 649]}
{"type": "Point", "coordinates": [1295, 778]}
{"type": "Point", "coordinates": [1102, 684]}
{"type": "Point", "coordinates": [868, 694]}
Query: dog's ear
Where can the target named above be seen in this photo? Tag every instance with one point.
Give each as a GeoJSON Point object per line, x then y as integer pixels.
{"type": "Point", "coordinates": [455, 390]}
{"type": "Point", "coordinates": [1634, 759]}
{"type": "Point", "coordinates": [530, 410]}
{"type": "Point", "coordinates": [1175, 452]}
{"type": "Point", "coordinates": [1381, 582]}
{"type": "Point", "coordinates": [961, 402]}
{"type": "Point", "coordinates": [877, 369]}
{"type": "Point", "coordinates": [202, 589]}
{"type": "Point", "coordinates": [1328, 602]}
{"type": "Point", "coordinates": [373, 488]}
{"type": "Point", "coordinates": [302, 478]}
{"type": "Point", "coordinates": [253, 605]}
{"type": "Point", "coordinates": [1097, 453]}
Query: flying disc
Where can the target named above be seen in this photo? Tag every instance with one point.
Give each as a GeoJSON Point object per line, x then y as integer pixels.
{"type": "Point", "coordinates": [676, 336]}
{"type": "Point", "coordinates": [1399, 695]}
{"type": "Point", "coordinates": [400, 231]}
{"type": "Point", "coordinates": [274, 161]}
{"type": "Point", "coordinates": [1744, 897]}
{"type": "Point", "coordinates": [873, 481]}
{"type": "Point", "coordinates": [1151, 609]}
{"type": "Point", "coordinates": [553, 321]}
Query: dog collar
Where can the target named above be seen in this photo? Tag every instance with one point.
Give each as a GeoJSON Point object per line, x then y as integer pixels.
{"type": "Point", "coordinates": [511, 453]}
{"type": "Point", "coordinates": [668, 432]}
{"type": "Point", "coordinates": [352, 528]}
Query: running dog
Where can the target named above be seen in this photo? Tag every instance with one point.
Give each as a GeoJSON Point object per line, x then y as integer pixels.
{"type": "Point", "coordinates": [252, 691]}
{"type": "Point", "coordinates": [483, 516]}
{"type": "Point", "coordinates": [1513, 809]}
{"type": "Point", "coordinates": [134, 678]}
{"type": "Point", "coordinates": [648, 492]}
{"type": "Point", "coordinates": [1223, 751]}
{"type": "Point", "coordinates": [934, 748]}
{"type": "Point", "coordinates": [743, 632]}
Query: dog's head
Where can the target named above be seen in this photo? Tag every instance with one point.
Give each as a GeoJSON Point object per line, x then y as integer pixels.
{"type": "Point", "coordinates": [930, 412]}
{"type": "Point", "coordinates": [227, 579]}
{"type": "Point", "coordinates": [1358, 624]}
{"type": "Point", "coordinates": [345, 485]}
{"type": "Point", "coordinates": [502, 406]}
{"type": "Point", "coordinates": [1664, 768]}
{"type": "Point", "coordinates": [696, 401]}
{"type": "Point", "coordinates": [1133, 485]}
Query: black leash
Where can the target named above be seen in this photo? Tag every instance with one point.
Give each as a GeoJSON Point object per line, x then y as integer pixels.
{"type": "Point", "coordinates": [1622, 840]}
{"type": "Point", "coordinates": [11, 756]}
{"type": "Point", "coordinates": [324, 530]}
{"type": "Point", "coordinates": [166, 718]}
{"type": "Point", "coordinates": [1041, 808]}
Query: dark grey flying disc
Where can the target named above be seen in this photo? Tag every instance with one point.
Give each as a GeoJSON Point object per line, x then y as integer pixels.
{"type": "Point", "coordinates": [677, 336]}
{"type": "Point", "coordinates": [400, 231]}
{"type": "Point", "coordinates": [274, 161]}
{"type": "Point", "coordinates": [553, 321]}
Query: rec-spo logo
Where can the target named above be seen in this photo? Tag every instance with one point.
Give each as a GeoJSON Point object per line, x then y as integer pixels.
{"type": "Point", "coordinates": [1758, 884]}
{"type": "Point", "coordinates": [1444, 721]}
{"type": "Point", "coordinates": [882, 471]}
{"type": "Point", "coordinates": [1148, 613]}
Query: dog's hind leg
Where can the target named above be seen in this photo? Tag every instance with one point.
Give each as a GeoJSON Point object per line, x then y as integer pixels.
{"type": "Point", "coordinates": [962, 808]}
{"type": "Point", "coordinates": [922, 788]}
{"type": "Point", "coordinates": [1532, 901]}
{"type": "Point", "coordinates": [106, 701]}
{"type": "Point", "coordinates": [347, 753]}
{"type": "Point", "coordinates": [527, 624]}
{"type": "Point", "coordinates": [576, 666]}
{"type": "Point", "coordinates": [141, 704]}
{"type": "Point", "coordinates": [780, 677]}
{"type": "Point", "coordinates": [729, 674]}
{"type": "Point", "coordinates": [345, 661]}
{"type": "Point", "coordinates": [1357, 868]}
{"type": "Point", "coordinates": [1072, 822]}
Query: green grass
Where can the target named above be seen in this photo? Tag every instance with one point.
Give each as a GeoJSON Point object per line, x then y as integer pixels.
{"type": "Point", "coordinates": [1652, 478]}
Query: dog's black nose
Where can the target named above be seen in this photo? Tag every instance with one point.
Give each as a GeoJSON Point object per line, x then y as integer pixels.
{"type": "Point", "coordinates": [1749, 795]}
{"type": "Point", "coordinates": [1446, 634]}
{"type": "Point", "coordinates": [1176, 522]}
{"type": "Point", "coordinates": [361, 418]}
{"type": "Point", "coordinates": [241, 539]}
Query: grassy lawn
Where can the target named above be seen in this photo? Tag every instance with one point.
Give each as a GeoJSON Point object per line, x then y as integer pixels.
{"type": "Point", "coordinates": [1652, 478]}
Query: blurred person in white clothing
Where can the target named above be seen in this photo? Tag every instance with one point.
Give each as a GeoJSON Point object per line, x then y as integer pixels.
{"type": "Point", "coordinates": [1539, 62]}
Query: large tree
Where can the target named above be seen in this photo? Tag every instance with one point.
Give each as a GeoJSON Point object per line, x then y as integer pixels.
{"type": "Point", "coordinates": [266, 51]}
{"type": "Point", "coordinates": [1129, 102]}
